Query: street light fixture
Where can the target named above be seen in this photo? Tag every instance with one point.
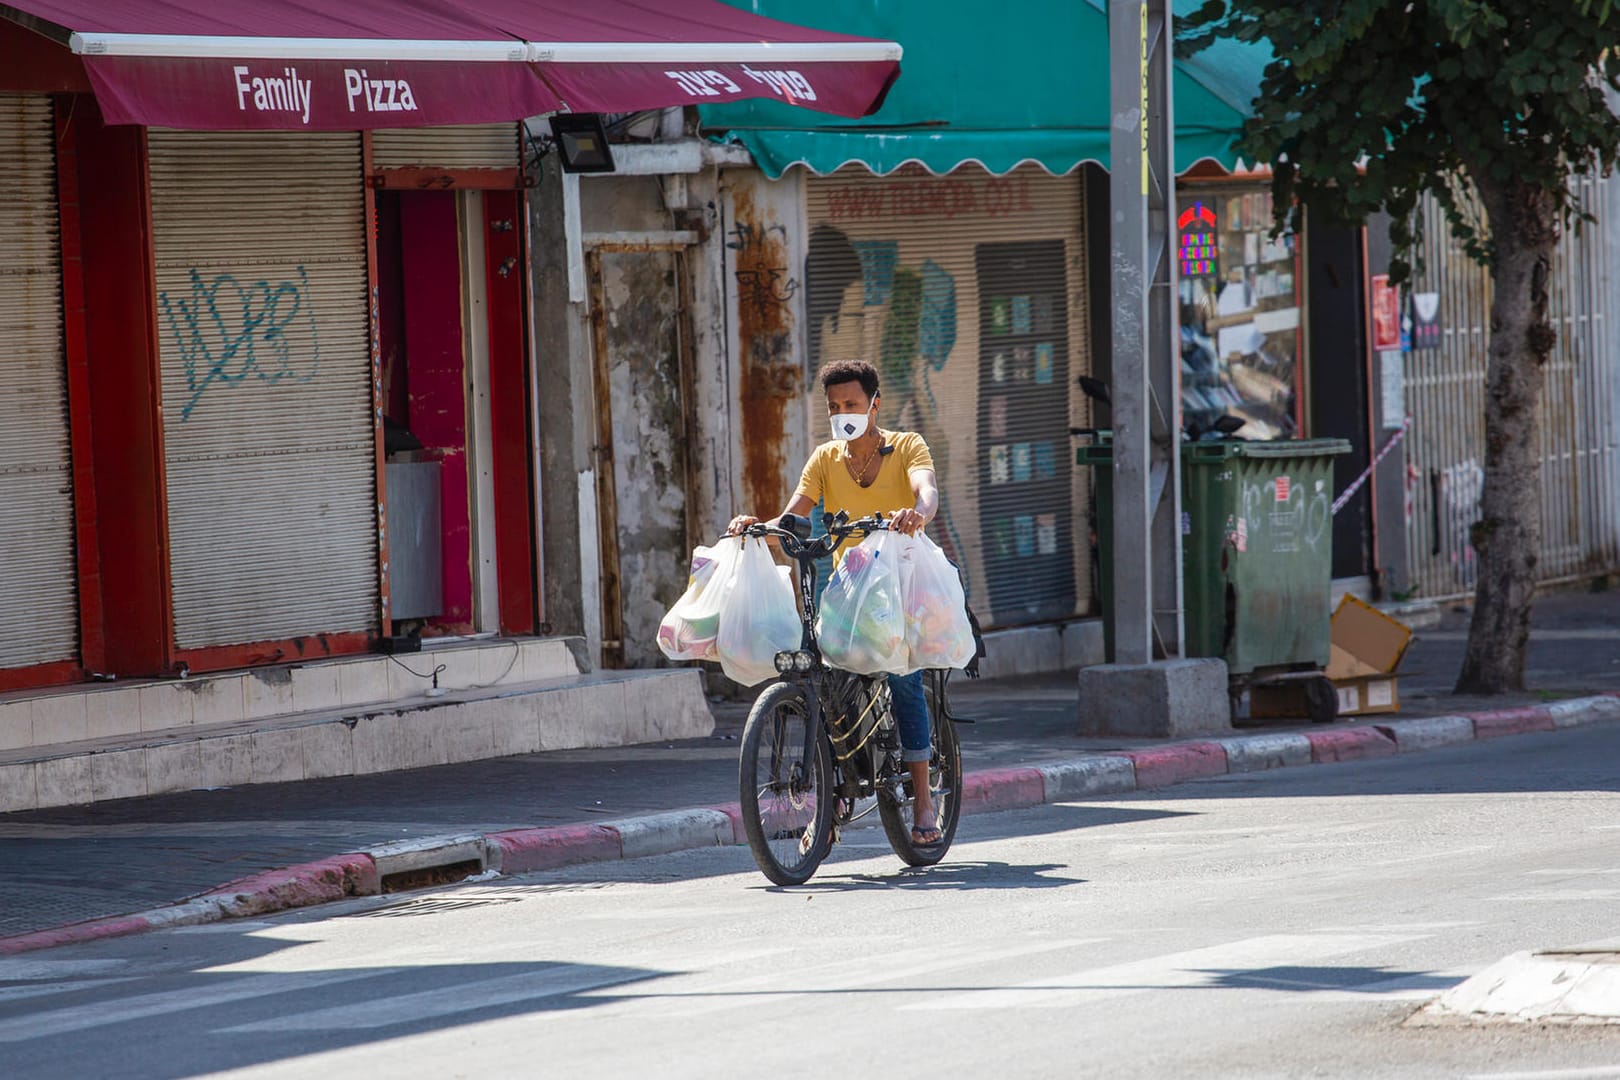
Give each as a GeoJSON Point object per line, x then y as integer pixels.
{"type": "Point", "coordinates": [582, 142]}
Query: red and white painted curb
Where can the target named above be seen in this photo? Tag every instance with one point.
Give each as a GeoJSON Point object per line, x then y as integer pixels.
{"type": "Point", "coordinates": [521, 851]}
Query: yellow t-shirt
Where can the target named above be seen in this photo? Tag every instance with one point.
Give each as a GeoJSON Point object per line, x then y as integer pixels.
{"type": "Point", "coordinates": [826, 477]}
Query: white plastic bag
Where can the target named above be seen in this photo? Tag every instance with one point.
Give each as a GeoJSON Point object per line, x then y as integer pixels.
{"type": "Point", "coordinates": [759, 618]}
{"type": "Point", "coordinates": [690, 630]}
{"type": "Point", "coordinates": [862, 622]}
{"type": "Point", "coordinates": [938, 633]}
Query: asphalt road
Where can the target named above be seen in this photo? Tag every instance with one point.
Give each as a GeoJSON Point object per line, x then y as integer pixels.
{"type": "Point", "coordinates": [1281, 924]}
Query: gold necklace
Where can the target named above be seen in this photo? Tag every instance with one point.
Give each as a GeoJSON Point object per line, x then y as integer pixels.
{"type": "Point", "coordinates": [860, 477]}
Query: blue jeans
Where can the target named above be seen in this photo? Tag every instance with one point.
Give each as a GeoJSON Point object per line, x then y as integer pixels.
{"type": "Point", "coordinates": [911, 715]}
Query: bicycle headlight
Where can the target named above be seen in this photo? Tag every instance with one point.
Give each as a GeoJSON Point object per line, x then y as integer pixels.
{"type": "Point", "coordinates": [785, 662]}
{"type": "Point", "coordinates": [803, 661]}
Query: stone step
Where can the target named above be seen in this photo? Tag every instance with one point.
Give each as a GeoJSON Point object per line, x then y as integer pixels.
{"type": "Point", "coordinates": [613, 708]}
{"type": "Point", "coordinates": [37, 719]}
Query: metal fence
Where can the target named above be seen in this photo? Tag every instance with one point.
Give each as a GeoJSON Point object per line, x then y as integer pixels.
{"type": "Point", "coordinates": [1445, 397]}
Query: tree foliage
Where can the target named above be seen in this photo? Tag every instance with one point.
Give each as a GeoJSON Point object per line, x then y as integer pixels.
{"type": "Point", "coordinates": [1369, 104]}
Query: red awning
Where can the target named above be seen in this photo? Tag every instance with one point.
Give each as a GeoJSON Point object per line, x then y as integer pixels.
{"type": "Point", "coordinates": [319, 65]}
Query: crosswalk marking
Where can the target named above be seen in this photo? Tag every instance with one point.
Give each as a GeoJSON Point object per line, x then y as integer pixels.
{"type": "Point", "coordinates": [17, 969]}
{"type": "Point", "coordinates": [449, 1000]}
{"type": "Point", "coordinates": [203, 995]}
{"type": "Point", "coordinates": [1560, 894]}
{"type": "Point", "coordinates": [16, 993]}
{"type": "Point", "coordinates": [1401, 988]}
{"type": "Point", "coordinates": [1197, 967]}
{"type": "Point", "coordinates": [702, 994]}
{"type": "Point", "coordinates": [1574, 871]}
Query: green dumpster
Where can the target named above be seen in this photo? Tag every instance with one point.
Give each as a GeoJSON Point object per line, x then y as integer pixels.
{"type": "Point", "coordinates": [1257, 551]}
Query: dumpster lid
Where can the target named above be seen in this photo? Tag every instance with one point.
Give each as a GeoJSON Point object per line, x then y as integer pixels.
{"type": "Point", "coordinates": [1101, 452]}
{"type": "Point", "coordinates": [1365, 641]}
{"type": "Point", "coordinates": [1221, 449]}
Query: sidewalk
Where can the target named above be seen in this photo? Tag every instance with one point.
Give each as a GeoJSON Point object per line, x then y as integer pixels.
{"type": "Point", "coordinates": [72, 864]}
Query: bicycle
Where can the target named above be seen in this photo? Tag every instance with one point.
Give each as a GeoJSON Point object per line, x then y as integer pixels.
{"type": "Point", "coordinates": [823, 740]}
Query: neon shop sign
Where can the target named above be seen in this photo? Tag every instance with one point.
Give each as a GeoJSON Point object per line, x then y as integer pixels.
{"type": "Point", "coordinates": [1198, 252]}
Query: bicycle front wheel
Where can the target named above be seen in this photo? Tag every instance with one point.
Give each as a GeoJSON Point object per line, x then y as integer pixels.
{"type": "Point", "coordinates": [787, 796]}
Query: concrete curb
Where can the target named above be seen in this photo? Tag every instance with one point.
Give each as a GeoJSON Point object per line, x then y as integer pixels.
{"type": "Point", "coordinates": [1573, 986]}
{"type": "Point", "coordinates": [521, 851]}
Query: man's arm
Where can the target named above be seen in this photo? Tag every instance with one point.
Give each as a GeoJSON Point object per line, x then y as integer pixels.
{"type": "Point", "coordinates": [927, 493]}
{"type": "Point", "coordinates": [799, 504]}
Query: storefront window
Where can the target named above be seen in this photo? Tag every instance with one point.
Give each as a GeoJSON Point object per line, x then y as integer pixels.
{"type": "Point", "coordinates": [1240, 312]}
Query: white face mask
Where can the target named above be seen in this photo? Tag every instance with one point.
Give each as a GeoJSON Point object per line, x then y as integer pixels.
{"type": "Point", "coordinates": [850, 426]}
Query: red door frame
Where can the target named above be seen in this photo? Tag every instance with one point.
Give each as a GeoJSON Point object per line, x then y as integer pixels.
{"type": "Point", "coordinates": [506, 285]}
{"type": "Point", "coordinates": [114, 382]}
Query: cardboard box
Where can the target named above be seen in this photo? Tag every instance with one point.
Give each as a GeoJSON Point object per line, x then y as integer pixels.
{"type": "Point", "coordinates": [1367, 649]}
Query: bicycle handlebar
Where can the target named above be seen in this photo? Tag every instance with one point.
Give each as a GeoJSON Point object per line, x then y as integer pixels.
{"type": "Point", "coordinates": [817, 546]}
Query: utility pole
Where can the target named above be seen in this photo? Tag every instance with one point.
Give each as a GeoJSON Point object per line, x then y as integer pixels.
{"type": "Point", "coordinates": [1146, 370]}
{"type": "Point", "coordinates": [1150, 688]}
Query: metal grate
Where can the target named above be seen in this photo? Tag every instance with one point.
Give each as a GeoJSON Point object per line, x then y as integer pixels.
{"type": "Point", "coordinates": [268, 435]}
{"type": "Point", "coordinates": [968, 292]}
{"type": "Point", "coordinates": [37, 588]}
{"type": "Point", "coordinates": [1580, 433]}
{"type": "Point", "coordinates": [432, 905]}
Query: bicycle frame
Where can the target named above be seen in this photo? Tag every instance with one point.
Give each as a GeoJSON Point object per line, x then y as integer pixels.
{"type": "Point", "coordinates": [818, 678]}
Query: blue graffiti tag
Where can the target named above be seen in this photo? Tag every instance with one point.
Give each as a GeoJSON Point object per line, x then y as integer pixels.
{"type": "Point", "coordinates": [226, 331]}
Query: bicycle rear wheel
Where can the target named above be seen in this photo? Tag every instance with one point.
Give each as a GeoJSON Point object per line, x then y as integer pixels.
{"type": "Point", "coordinates": [787, 796]}
{"type": "Point", "coordinates": [945, 781]}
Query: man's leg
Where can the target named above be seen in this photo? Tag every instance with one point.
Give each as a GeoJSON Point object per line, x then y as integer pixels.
{"type": "Point", "coordinates": [911, 717]}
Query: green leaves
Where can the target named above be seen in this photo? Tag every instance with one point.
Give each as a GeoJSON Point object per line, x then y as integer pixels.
{"type": "Point", "coordinates": [1421, 93]}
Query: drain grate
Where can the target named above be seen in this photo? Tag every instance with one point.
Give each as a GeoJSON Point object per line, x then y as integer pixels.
{"type": "Point", "coordinates": [432, 905]}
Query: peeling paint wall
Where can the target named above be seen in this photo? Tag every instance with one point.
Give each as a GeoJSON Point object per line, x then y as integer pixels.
{"type": "Point", "coordinates": [563, 399]}
{"type": "Point", "coordinates": [639, 299]}
{"type": "Point", "coordinates": [763, 243]}
{"type": "Point", "coordinates": [715, 442]}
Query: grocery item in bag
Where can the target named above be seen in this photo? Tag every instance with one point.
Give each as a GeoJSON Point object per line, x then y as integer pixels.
{"type": "Point", "coordinates": [759, 618]}
{"type": "Point", "coordinates": [690, 630]}
{"type": "Point", "coordinates": [862, 622]}
{"type": "Point", "coordinates": [938, 633]}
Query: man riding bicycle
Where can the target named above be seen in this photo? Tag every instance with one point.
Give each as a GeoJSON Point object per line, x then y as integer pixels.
{"type": "Point", "coordinates": [866, 470]}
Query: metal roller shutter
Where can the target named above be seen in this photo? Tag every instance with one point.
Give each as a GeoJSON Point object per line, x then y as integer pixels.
{"type": "Point", "coordinates": [463, 146]}
{"type": "Point", "coordinates": [267, 410]}
{"type": "Point", "coordinates": [37, 585]}
{"type": "Point", "coordinates": [968, 292]}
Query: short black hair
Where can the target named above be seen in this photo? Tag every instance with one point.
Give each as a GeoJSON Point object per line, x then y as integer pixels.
{"type": "Point", "coordinates": [843, 371]}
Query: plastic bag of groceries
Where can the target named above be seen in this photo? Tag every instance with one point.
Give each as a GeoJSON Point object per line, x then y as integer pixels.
{"type": "Point", "coordinates": [938, 632]}
{"type": "Point", "coordinates": [862, 622]}
{"type": "Point", "coordinates": [691, 628]}
{"type": "Point", "coordinates": [759, 617]}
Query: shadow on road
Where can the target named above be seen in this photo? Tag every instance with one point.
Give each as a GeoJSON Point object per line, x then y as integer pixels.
{"type": "Point", "coordinates": [199, 1019]}
{"type": "Point", "coordinates": [944, 877]}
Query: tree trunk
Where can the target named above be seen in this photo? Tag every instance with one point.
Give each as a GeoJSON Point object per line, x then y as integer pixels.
{"type": "Point", "coordinates": [1524, 225]}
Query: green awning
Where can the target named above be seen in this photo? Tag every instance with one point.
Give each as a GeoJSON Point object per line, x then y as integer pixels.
{"type": "Point", "coordinates": [994, 84]}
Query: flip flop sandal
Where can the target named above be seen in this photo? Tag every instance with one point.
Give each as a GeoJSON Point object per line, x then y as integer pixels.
{"type": "Point", "coordinates": [919, 836]}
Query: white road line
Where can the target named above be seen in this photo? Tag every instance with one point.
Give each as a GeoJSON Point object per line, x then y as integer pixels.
{"type": "Point", "coordinates": [204, 995]}
{"type": "Point", "coordinates": [1195, 968]}
{"type": "Point", "coordinates": [1574, 871]}
{"type": "Point", "coordinates": [16, 993]}
{"type": "Point", "coordinates": [1559, 894]}
{"type": "Point", "coordinates": [1403, 988]}
{"type": "Point", "coordinates": [701, 994]}
{"type": "Point", "coordinates": [449, 1000]}
{"type": "Point", "coordinates": [1598, 1072]}
{"type": "Point", "coordinates": [16, 969]}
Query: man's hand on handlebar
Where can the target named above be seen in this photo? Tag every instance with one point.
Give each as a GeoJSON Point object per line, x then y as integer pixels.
{"type": "Point", "coordinates": [907, 522]}
{"type": "Point", "coordinates": [739, 523]}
